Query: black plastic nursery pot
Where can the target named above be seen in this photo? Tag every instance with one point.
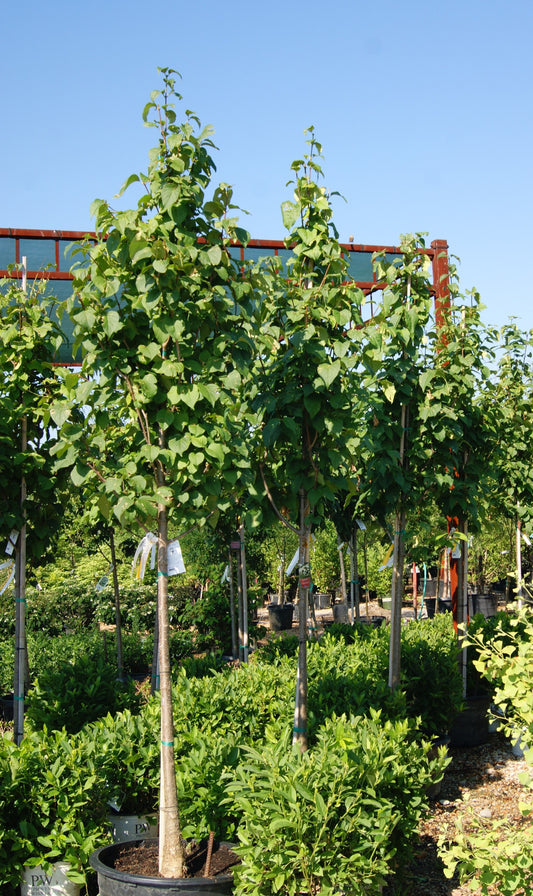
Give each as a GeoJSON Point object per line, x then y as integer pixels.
{"type": "Point", "coordinates": [112, 882]}
{"type": "Point", "coordinates": [340, 613]}
{"type": "Point", "coordinates": [471, 727]}
{"type": "Point", "coordinates": [430, 606]}
{"type": "Point", "coordinates": [486, 604]}
{"type": "Point", "coordinates": [280, 616]}
{"type": "Point", "coordinates": [6, 707]}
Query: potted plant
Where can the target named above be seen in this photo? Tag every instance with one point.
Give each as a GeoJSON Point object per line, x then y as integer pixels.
{"type": "Point", "coordinates": [431, 676]}
{"type": "Point", "coordinates": [52, 816]}
{"type": "Point", "coordinates": [129, 766]}
{"type": "Point", "coordinates": [150, 427]}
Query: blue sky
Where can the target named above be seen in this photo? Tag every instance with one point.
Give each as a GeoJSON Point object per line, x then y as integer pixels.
{"type": "Point", "coordinates": [423, 109]}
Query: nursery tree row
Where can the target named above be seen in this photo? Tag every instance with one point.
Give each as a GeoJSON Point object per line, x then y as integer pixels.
{"type": "Point", "coordinates": [212, 394]}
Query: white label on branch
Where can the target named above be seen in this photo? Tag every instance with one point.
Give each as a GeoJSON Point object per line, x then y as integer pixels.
{"type": "Point", "coordinates": [293, 563]}
{"type": "Point", "coordinates": [12, 540]}
{"type": "Point", "coordinates": [175, 559]}
{"type": "Point", "coordinates": [146, 546]}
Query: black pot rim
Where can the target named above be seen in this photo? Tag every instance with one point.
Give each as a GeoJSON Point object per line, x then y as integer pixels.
{"type": "Point", "coordinates": [186, 883]}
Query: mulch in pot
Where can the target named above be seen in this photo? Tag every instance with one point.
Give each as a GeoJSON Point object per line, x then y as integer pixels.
{"type": "Point", "coordinates": [143, 859]}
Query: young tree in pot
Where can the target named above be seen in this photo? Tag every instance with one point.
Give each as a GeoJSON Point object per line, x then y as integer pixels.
{"type": "Point", "coordinates": [390, 481]}
{"type": "Point", "coordinates": [161, 318]}
{"type": "Point", "coordinates": [29, 504]}
{"type": "Point", "coordinates": [305, 325]}
{"type": "Point", "coordinates": [512, 394]}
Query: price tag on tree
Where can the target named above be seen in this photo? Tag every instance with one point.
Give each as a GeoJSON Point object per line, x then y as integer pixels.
{"type": "Point", "coordinates": [305, 575]}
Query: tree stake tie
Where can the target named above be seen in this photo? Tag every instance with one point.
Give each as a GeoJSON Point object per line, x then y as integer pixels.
{"type": "Point", "coordinates": [159, 574]}
{"type": "Point", "coordinates": [167, 743]}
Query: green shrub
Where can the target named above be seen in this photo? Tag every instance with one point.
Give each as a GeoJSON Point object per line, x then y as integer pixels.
{"type": "Point", "coordinates": [137, 606]}
{"type": "Point", "coordinates": [7, 665]}
{"type": "Point", "coordinates": [48, 654]}
{"type": "Point", "coordinates": [430, 673]}
{"type": "Point", "coordinates": [337, 819]}
{"type": "Point", "coordinates": [127, 747]}
{"type": "Point", "coordinates": [350, 678]}
{"type": "Point", "coordinates": [209, 616]}
{"type": "Point", "coordinates": [76, 693]}
{"type": "Point", "coordinates": [69, 607]}
{"type": "Point", "coordinates": [51, 806]}
{"type": "Point", "coordinates": [276, 648]}
{"type": "Point", "coordinates": [181, 647]}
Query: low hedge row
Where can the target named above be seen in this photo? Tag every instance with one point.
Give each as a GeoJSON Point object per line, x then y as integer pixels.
{"type": "Point", "coordinates": [347, 810]}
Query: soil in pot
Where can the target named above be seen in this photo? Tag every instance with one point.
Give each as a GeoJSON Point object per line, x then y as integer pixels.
{"type": "Point", "coordinates": [132, 869]}
{"type": "Point", "coordinates": [143, 859]}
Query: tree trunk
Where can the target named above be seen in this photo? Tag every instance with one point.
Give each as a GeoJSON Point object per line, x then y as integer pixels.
{"type": "Point", "coordinates": [397, 571]}
{"type": "Point", "coordinates": [171, 851]}
{"type": "Point", "coordinates": [20, 610]}
{"type": "Point", "coordinates": [519, 563]}
{"type": "Point", "coordinates": [396, 601]}
{"type": "Point", "coordinates": [154, 680]}
{"type": "Point", "coordinates": [240, 608]}
{"type": "Point", "coordinates": [116, 592]}
{"type": "Point", "coordinates": [462, 609]}
{"type": "Point", "coordinates": [233, 615]}
{"type": "Point", "coordinates": [244, 585]}
{"type": "Point", "coordinates": [171, 858]}
{"type": "Point", "coordinates": [299, 736]}
{"type": "Point", "coordinates": [342, 569]}
{"type": "Point", "coordinates": [365, 562]}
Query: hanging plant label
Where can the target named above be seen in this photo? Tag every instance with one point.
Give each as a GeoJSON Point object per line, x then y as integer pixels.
{"type": "Point", "coordinates": [12, 540]}
{"type": "Point", "coordinates": [175, 562]}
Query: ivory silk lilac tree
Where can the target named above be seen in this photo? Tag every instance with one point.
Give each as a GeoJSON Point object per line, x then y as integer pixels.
{"type": "Point", "coordinates": [394, 357]}
{"type": "Point", "coordinates": [29, 504]}
{"type": "Point", "coordinates": [160, 314]}
{"type": "Point", "coordinates": [305, 326]}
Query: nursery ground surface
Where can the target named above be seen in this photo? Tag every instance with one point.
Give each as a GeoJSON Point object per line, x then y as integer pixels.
{"type": "Point", "coordinates": [480, 780]}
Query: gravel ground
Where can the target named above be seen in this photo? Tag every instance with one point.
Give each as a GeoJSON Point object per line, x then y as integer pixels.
{"type": "Point", "coordinates": [482, 780]}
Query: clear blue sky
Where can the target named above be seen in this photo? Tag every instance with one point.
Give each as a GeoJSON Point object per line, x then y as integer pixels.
{"type": "Point", "coordinates": [424, 111]}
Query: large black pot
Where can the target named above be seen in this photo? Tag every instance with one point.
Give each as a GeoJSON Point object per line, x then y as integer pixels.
{"type": "Point", "coordinates": [430, 606]}
{"type": "Point", "coordinates": [486, 604]}
{"type": "Point", "coordinates": [340, 613]}
{"type": "Point", "coordinates": [471, 727]}
{"type": "Point", "coordinates": [280, 616]}
{"type": "Point", "coordinates": [6, 707]}
{"type": "Point", "coordinates": [118, 883]}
